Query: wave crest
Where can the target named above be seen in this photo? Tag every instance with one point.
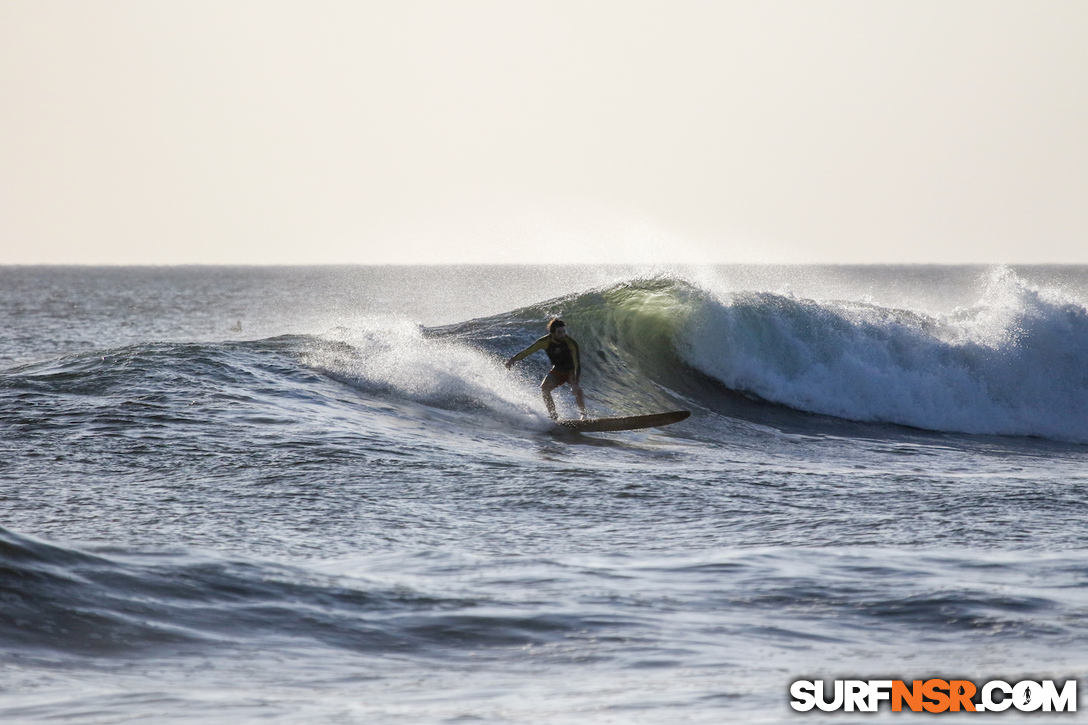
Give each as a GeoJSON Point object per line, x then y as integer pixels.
{"type": "Point", "coordinates": [1015, 363]}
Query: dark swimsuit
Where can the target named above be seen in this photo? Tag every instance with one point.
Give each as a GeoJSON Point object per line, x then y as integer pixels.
{"type": "Point", "coordinates": [563, 354]}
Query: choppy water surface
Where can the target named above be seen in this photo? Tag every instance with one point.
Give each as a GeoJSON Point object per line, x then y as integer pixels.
{"type": "Point", "coordinates": [316, 495]}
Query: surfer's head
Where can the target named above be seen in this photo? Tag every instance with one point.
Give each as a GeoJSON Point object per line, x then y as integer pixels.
{"type": "Point", "coordinates": [557, 327]}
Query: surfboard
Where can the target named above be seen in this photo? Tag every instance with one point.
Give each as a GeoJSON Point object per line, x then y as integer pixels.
{"type": "Point", "coordinates": [632, 422]}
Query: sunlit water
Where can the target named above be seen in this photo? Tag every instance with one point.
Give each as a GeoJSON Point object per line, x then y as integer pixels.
{"type": "Point", "coordinates": [316, 495]}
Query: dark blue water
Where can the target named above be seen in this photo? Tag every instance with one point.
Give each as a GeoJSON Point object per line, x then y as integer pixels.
{"type": "Point", "coordinates": [316, 495]}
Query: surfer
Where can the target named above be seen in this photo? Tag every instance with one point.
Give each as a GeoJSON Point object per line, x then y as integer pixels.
{"type": "Point", "coordinates": [562, 350]}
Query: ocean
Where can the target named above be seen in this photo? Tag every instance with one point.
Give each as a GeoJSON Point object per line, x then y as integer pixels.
{"type": "Point", "coordinates": [316, 495]}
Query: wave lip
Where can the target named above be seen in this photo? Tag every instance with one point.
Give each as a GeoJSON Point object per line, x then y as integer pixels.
{"type": "Point", "coordinates": [1016, 363]}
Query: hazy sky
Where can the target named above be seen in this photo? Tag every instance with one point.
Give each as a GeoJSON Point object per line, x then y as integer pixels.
{"type": "Point", "coordinates": [432, 132]}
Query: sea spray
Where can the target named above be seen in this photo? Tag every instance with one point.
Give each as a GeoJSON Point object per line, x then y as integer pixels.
{"type": "Point", "coordinates": [1016, 363]}
{"type": "Point", "coordinates": [392, 356]}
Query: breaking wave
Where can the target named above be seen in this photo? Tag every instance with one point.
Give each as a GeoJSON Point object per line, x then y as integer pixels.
{"type": "Point", "coordinates": [1014, 363]}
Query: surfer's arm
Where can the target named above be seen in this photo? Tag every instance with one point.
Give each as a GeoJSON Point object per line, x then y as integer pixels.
{"type": "Point", "coordinates": [538, 345]}
{"type": "Point", "coordinates": [576, 357]}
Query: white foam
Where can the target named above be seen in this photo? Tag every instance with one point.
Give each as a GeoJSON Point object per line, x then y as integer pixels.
{"type": "Point", "coordinates": [1015, 363]}
{"type": "Point", "coordinates": [393, 355]}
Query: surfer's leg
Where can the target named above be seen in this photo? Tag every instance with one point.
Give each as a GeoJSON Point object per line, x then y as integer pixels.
{"type": "Point", "coordinates": [547, 385]}
{"type": "Point", "coordinates": [579, 398]}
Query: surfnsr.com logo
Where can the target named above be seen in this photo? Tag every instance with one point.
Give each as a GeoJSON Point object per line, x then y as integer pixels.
{"type": "Point", "coordinates": [934, 695]}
